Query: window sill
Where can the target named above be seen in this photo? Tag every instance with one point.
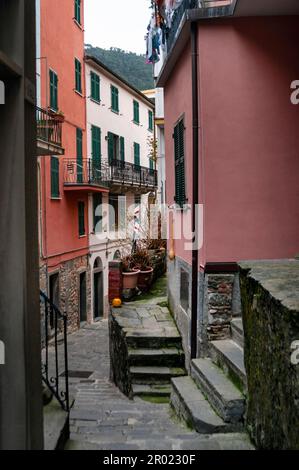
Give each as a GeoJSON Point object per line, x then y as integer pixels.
{"type": "Point", "coordinates": [56, 198]}
{"type": "Point", "coordinates": [113, 111]}
{"type": "Point", "coordinates": [95, 101]}
{"type": "Point", "coordinates": [82, 236]}
{"type": "Point", "coordinates": [136, 123]}
{"type": "Point", "coordinates": [79, 25]}
{"type": "Point", "coordinates": [78, 93]}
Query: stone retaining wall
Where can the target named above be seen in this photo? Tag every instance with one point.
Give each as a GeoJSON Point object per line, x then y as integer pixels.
{"type": "Point", "coordinates": [270, 301]}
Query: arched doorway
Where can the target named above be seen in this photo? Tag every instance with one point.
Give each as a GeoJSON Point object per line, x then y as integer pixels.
{"type": "Point", "coordinates": [98, 290]}
{"type": "Point", "coordinates": [117, 255]}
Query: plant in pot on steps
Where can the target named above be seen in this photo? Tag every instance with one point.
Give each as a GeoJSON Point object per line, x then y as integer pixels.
{"type": "Point", "coordinates": [142, 261]}
{"type": "Point", "coordinates": [130, 273]}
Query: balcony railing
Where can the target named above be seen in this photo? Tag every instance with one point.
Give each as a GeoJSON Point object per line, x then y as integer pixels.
{"type": "Point", "coordinates": [85, 172]}
{"type": "Point", "coordinates": [128, 174]}
{"type": "Point", "coordinates": [49, 133]}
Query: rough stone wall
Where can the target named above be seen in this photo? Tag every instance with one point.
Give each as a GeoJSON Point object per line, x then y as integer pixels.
{"type": "Point", "coordinates": [270, 303]}
{"type": "Point", "coordinates": [219, 299]}
{"type": "Point", "coordinates": [119, 361]}
{"type": "Point", "coordinates": [69, 289]}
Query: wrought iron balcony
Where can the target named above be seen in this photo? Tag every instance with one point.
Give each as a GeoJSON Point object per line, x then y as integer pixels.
{"type": "Point", "coordinates": [49, 133]}
{"type": "Point", "coordinates": [85, 175]}
{"type": "Point", "coordinates": [129, 175]}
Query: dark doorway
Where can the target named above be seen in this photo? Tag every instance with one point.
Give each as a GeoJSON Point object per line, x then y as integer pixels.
{"type": "Point", "coordinates": [54, 295]}
{"type": "Point", "coordinates": [83, 310]}
{"type": "Point", "coordinates": [98, 295]}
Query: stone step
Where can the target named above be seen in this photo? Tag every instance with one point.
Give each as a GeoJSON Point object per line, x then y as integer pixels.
{"type": "Point", "coordinates": [237, 331]}
{"type": "Point", "coordinates": [157, 357]}
{"type": "Point", "coordinates": [191, 406]}
{"type": "Point", "coordinates": [225, 398]}
{"type": "Point", "coordinates": [229, 356]}
{"type": "Point", "coordinates": [153, 339]}
{"type": "Point", "coordinates": [154, 375]}
{"type": "Point", "coordinates": [151, 390]}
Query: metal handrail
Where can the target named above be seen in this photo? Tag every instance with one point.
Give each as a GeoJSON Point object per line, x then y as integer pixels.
{"type": "Point", "coordinates": [54, 324]}
{"type": "Point", "coordinates": [85, 171]}
{"type": "Point", "coordinates": [128, 173]}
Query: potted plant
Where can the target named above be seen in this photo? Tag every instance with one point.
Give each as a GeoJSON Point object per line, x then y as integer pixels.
{"type": "Point", "coordinates": [142, 261]}
{"type": "Point", "coordinates": [57, 116]}
{"type": "Point", "coordinates": [130, 273]}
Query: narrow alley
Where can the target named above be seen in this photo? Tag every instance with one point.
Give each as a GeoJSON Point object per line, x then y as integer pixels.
{"type": "Point", "coordinates": [103, 418]}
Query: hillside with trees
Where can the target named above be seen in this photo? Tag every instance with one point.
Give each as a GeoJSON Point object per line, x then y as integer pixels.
{"type": "Point", "coordinates": [130, 66]}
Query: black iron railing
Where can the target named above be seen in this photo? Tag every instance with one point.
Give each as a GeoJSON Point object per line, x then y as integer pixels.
{"type": "Point", "coordinates": [126, 173]}
{"type": "Point", "coordinates": [54, 351]}
{"type": "Point", "coordinates": [49, 129]}
{"type": "Point", "coordinates": [85, 172]}
{"type": "Point", "coordinates": [176, 20]}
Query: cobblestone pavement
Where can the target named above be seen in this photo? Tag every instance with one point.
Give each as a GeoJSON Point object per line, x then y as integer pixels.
{"type": "Point", "coordinates": [103, 418]}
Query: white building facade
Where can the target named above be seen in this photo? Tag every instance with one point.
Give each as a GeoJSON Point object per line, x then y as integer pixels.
{"type": "Point", "coordinates": [120, 132]}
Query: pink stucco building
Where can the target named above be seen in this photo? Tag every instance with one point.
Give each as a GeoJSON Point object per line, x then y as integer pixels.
{"type": "Point", "coordinates": [228, 115]}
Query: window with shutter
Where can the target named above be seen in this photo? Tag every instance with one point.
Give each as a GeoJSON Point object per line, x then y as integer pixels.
{"type": "Point", "coordinates": [150, 121]}
{"type": "Point", "coordinates": [110, 142]}
{"type": "Point", "coordinates": [54, 177]}
{"type": "Point", "coordinates": [78, 76]}
{"type": "Point", "coordinates": [96, 144]}
{"type": "Point", "coordinates": [122, 149]}
{"type": "Point", "coordinates": [95, 86]}
{"type": "Point", "coordinates": [179, 160]}
{"type": "Point", "coordinates": [78, 11]}
{"type": "Point", "coordinates": [136, 154]}
{"type": "Point", "coordinates": [97, 213]}
{"type": "Point", "coordinates": [135, 112]}
{"type": "Point", "coordinates": [81, 218]}
{"type": "Point", "coordinates": [114, 99]}
{"type": "Point", "coordinates": [79, 150]}
{"type": "Point", "coordinates": [53, 90]}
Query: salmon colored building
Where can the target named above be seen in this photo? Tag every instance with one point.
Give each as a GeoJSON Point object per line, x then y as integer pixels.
{"type": "Point", "coordinates": [231, 136]}
{"type": "Point", "coordinates": [64, 180]}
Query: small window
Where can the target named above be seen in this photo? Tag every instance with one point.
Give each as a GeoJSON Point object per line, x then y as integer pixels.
{"type": "Point", "coordinates": [78, 11]}
{"type": "Point", "coordinates": [179, 161]}
{"type": "Point", "coordinates": [95, 86]}
{"type": "Point", "coordinates": [135, 112]}
{"type": "Point", "coordinates": [97, 213]}
{"type": "Point", "coordinates": [78, 76]}
{"type": "Point", "coordinates": [53, 90]}
{"type": "Point", "coordinates": [114, 99]}
{"type": "Point", "coordinates": [54, 177]}
{"type": "Point", "coordinates": [150, 121]}
{"type": "Point", "coordinates": [136, 154]}
{"type": "Point", "coordinates": [184, 290]}
{"type": "Point", "coordinates": [81, 218]}
{"type": "Point", "coordinates": [116, 148]}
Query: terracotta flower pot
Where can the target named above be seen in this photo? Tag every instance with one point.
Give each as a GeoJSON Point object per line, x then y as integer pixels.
{"type": "Point", "coordinates": [145, 279]}
{"type": "Point", "coordinates": [130, 279]}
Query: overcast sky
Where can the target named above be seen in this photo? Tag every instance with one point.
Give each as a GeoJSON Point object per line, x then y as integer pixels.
{"type": "Point", "coordinates": [117, 23]}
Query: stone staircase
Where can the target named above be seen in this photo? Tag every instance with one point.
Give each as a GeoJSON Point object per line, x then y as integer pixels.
{"type": "Point", "coordinates": [212, 400]}
{"type": "Point", "coordinates": [153, 361]}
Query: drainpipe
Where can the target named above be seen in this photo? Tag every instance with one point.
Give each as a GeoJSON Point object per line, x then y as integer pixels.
{"type": "Point", "coordinates": [195, 141]}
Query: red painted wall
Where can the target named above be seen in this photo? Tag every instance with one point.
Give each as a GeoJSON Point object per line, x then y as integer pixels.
{"type": "Point", "coordinates": [249, 163]}
{"type": "Point", "coordinates": [62, 40]}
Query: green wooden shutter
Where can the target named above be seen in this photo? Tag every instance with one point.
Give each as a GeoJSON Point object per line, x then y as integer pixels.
{"type": "Point", "coordinates": [179, 157]}
{"type": "Point", "coordinates": [136, 112]}
{"type": "Point", "coordinates": [122, 148]}
{"type": "Point", "coordinates": [96, 144]}
{"type": "Point", "coordinates": [97, 213]}
{"type": "Point", "coordinates": [95, 86]}
{"type": "Point", "coordinates": [78, 11]}
{"type": "Point", "coordinates": [54, 177]}
{"type": "Point", "coordinates": [110, 142]}
{"type": "Point", "coordinates": [79, 149]}
{"type": "Point", "coordinates": [114, 99]}
{"type": "Point", "coordinates": [150, 121]}
{"type": "Point", "coordinates": [136, 154]}
{"type": "Point", "coordinates": [78, 76]}
{"type": "Point", "coordinates": [53, 90]}
{"type": "Point", "coordinates": [81, 218]}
